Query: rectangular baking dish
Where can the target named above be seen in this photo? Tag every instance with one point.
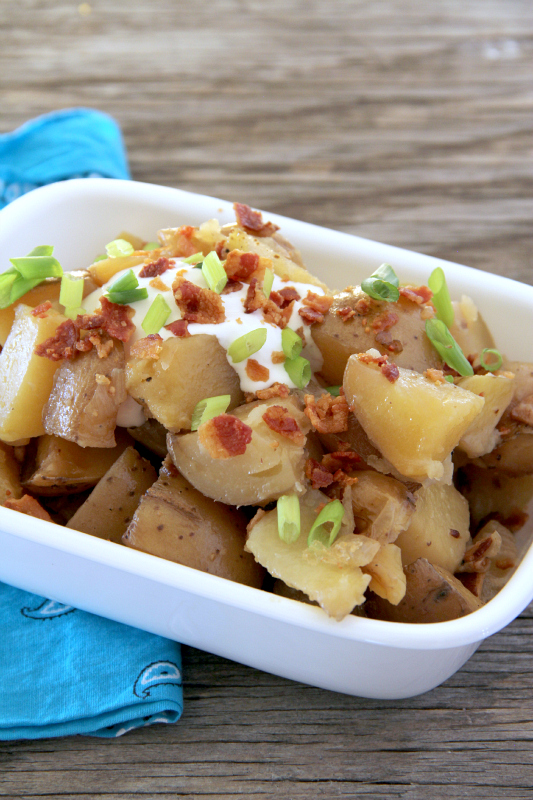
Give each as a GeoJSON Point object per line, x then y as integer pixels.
{"type": "Point", "coordinates": [357, 656]}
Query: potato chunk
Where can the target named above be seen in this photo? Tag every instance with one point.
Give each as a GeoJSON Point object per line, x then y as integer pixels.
{"type": "Point", "coordinates": [176, 522]}
{"type": "Point", "coordinates": [26, 378]}
{"type": "Point", "coordinates": [439, 528]}
{"type": "Point", "coordinates": [271, 466]}
{"type": "Point", "coordinates": [109, 508]}
{"type": "Point", "coordinates": [187, 371]}
{"type": "Point", "coordinates": [414, 422]}
{"type": "Point", "coordinates": [481, 436]}
{"type": "Point", "coordinates": [382, 506]}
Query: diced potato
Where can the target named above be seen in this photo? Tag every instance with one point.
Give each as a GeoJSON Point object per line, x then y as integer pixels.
{"type": "Point", "coordinates": [388, 578]}
{"type": "Point", "coordinates": [109, 508]}
{"type": "Point", "coordinates": [10, 487]}
{"type": "Point", "coordinates": [414, 422]}
{"type": "Point", "coordinates": [176, 522]}
{"type": "Point", "coordinates": [383, 506]}
{"type": "Point", "coordinates": [481, 436]}
{"type": "Point", "coordinates": [439, 528]}
{"type": "Point", "coordinates": [271, 466]}
{"type": "Point", "coordinates": [152, 435]}
{"type": "Point", "coordinates": [432, 595]}
{"type": "Point", "coordinates": [102, 271]}
{"type": "Point", "coordinates": [84, 401]}
{"type": "Point", "coordinates": [469, 329]}
{"type": "Point", "coordinates": [332, 578]}
{"type": "Point", "coordinates": [338, 339]}
{"type": "Point", "coordinates": [60, 466]}
{"type": "Point", "coordinates": [490, 492]}
{"type": "Point", "coordinates": [187, 371]}
{"type": "Point", "coordinates": [26, 378]}
{"type": "Point", "coordinates": [514, 456]}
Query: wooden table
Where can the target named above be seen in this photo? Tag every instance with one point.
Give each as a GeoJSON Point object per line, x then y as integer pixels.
{"type": "Point", "coordinates": [405, 122]}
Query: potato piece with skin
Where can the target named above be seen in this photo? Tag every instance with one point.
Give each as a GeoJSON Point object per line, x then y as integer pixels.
{"type": "Point", "coordinates": [10, 487]}
{"type": "Point", "coordinates": [25, 377]}
{"type": "Point", "coordinates": [272, 464]}
{"type": "Point", "coordinates": [388, 578]}
{"type": "Point", "coordinates": [60, 467]}
{"type": "Point", "coordinates": [470, 330]}
{"type": "Point", "coordinates": [439, 528]}
{"type": "Point", "coordinates": [84, 401]}
{"type": "Point", "coordinates": [414, 422]}
{"type": "Point", "coordinates": [481, 436]}
{"type": "Point", "coordinates": [432, 595]}
{"type": "Point", "coordinates": [170, 387]}
{"type": "Point", "coordinates": [338, 339]}
{"type": "Point", "coordinates": [109, 508]}
{"type": "Point", "coordinates": [493, 493]}
{"type": "Point", "coordinates": [383, 506]}
{"type": "Point", "coordinates": [514, 456]}
{"type": "Point", "coordinates": [176, 522]}
{"type": "Point", "coordinates": [152, 435]}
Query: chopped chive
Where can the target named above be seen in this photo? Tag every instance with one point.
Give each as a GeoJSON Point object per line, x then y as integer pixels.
{"type": "Point", "coordinates": [156, 316]}
{"type": "Point", "coordinates": [74, 312]}
{"type": "Point", "coordinates": [449, 378]}
{"type": "Point", "coordinates": [71, 292]}
{"type": "Point", "coordinates": [446, 346]}
{"type": "Point", "coordinates": [127, 297]}
{"type": "Point", "coordinates": [194, 259]}
{"type": "Point", "coordinates": [382, 284]}
{"type": "Point", "coordinates": [491, 366]}
{"type": "Point", "coordinates": [291, 343]}
{"type": "Point", "coordinates": [125, 283]}
{"type": "Point", "coordinates": [299, 371]}
{"type": "Point", "coordinates": [288, 508]}
{"type": "Point", "coordinates": [268, 280]}
{"type": "Point", "coordinates": [41, 267]}
{"type": "Point", "coordinates": [208, 408]}
{"type": "Point", "coordinates": [441, 297]}
{"type": "Point", "coordinates": [119, 247]}
{"type": "Point", "coordinates": [247, 345]}
{"type": "Point", "coordinates": [331, 514]}
{"type": "Point", "coordinates": [214, 272]}
{"type": "Point", "coordinates": [151, 246]}
{"type": "Point", "coordinates": [334, 390]}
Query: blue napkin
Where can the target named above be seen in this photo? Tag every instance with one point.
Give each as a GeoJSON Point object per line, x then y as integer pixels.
{"type": "Point", "coordinates": [65, 671]}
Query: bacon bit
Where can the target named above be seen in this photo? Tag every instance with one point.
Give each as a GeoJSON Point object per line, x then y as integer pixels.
{"type": "Point", "coordinates": [155, 268]}
{"type": "Point", "coordinates": [276, 390]}
{"type": "Point", "coordinates": [231, 286]}
{"type": "Point", "coordinates": [255, 299]}
{"type": "Point", "coordinates": [256, 371]}
{"type": "Point", "coordinates": [473, 581]}
{"type": "Point", "coordinates": [28, 505]}
{"type": "Point", "coordinates": [149, 347]}
{"type": "Point", "coordinates": [278, 357]}
{"type": "Point", "coordinates": [224, 436]}
{"type": "Point", "coordinates": [252, 221]}
{"type": "Point", "coordinates": [280, 421]}
{"type": "Point", "coordinates": [221, 250]}
{"type": "Point", "coordinates": [117, 320]}
{"type": "Point", "coordinates": [284, 296]}
{"type": "Point", "coordinates": [316, 306]}
{"type": "Point", "coordinates": [178, 328]}
{"type": "Point", "coordinates": [197, 304]}
{"type": "Point", "coordinates": [364, 305]}
{"type": "Point", "coordinates": [311, 315]}
{"type": "Point", "coordinates": [319, 476]}
{"type": "Point", "coordinates": [158, 284]}
{"type": "Point", "coordinates": [435, 375]}
{"type": "Point", "coordinates": [368, 358]}
{"type": "Point", "coordinates": [345, 313]}
{"type": "Point", "coordinates": [385, 321]}
{"type": "Point", "coordinates": [391, 372]}
{"type": "Point", "coordinates": [61, 345]}
{"type": "Point", "coordinates": [416, 294]}
{"type": "Point", "coordinates": [341, 459]}
{"type": "Point", "coordinates": [301, 334]}
{"type": "Point", "coordinates": [523, 412]}
{"type": "Point", "coordinates": [103, 346]}
{"type": "Point", "coordinates": [327, 415]}
{"type": "Point", "coordinates": [384, 338]}
{"type": "Point", "coordinates": [40, 310]}
{"type": "Point", "coordinates": [241, 266]}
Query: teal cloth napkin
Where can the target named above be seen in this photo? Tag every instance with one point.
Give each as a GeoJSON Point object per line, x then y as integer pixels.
{"type": "Point", "coordinates": [65, 671]}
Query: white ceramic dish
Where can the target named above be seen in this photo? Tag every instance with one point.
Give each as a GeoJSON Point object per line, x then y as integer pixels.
{"type": "Point", "coordinates": [357, 656]}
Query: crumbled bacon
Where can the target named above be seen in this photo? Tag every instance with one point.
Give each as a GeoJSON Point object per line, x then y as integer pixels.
{"type": "Point", "coordinates": [345, 313]}
{"type": "Point", "coordinates": [231, 286]}
{"type": "Point", "coordinates": [315, 307]}
{"type": "Point", "coordinates": [221, 250]}
{"type": "Point", "coordinates": [285, 296]}
{"type": "Point", "coordinates": [332, 469]}
{"type": "Point", "coordinates": [272, 313]}
{"type": "Point", "coordinates": [278, 357]}
{"type": "Point", "coordinates": [385, 321]}
{"type": "Point", "coordinates": [117, 320]}
{"type": "Point", "coordinates": [279, 420]}
{"type": "Point", "coordinates": [473, 581]}
{"type": "Point", "coordinates": [364, 305]}
{"type": "Point", "coordinates": [197, 304]}
{"type": "Point", "coordinates": [155, 268]}
{"type": "Point", "coordinates": [319, 476]}
{"type": "Point", "coordinates": [40, 310]}
{"type": "Point", "coordinates": [148, 347]}
{"type": "Point", "coordinates": [103, 344]}
{"type": "Point", "coordinates": [61, 345]}
{"type": "Point", "coordinates": [28, 505]}
{"type": "Point", "coordinates": [384, 338]}
{"type": "Point", "coordinates": [255, 298]}
{"type": "Point", "coordinates": [276, 390]}
{"type": "Point", "coordinates": [241, 266]}
{"type": "Point", "coordinates": [179, 328]}
{"type": "Point", "coordinates": [256, 371]}
{"type": "Point", "coordinates": [252, 221]}
{"type": "Point", "coordinates": [368, 358]}
{"type": "Point", "coordinates": [341, 459]}
{"type": "Point", "coordinates": [391, 371]}
{"type": "Point", "coordinates": [435, 375]}
{"type": "Point", "coordinates": [328, 414]}
{"type": "Point", "coordinates": [157, 283]}
{"type": "Point", "coordinates": [417, 294]}
{"type": "Point", "coordinates": [224, 436]}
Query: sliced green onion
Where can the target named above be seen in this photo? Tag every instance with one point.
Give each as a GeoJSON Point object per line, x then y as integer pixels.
{"type": "Point", "coordinates": [119, 247]}
{"type": "Point", "coordinates": [21, 286]}
{"type": "Point", "coordinates": [7, 280]}
{"type": "Point", "coordinates": [382, 284]}
{"type": "Point", "coordinates": [331, 514]}
{"type": "Point", "coordinates": [446, 346]}
{"type": "Point", "coordinates": [268, 280]}
{"type": "Point", "coordinates": [299, 371]}
{"type": "Point", "coordinates": [208, 408]}
{"type": "Point", "coordinates": [288, 508]}
{"type": "Point", "coordinates": [41, 267]}
{"type": "Point", "coordinates": [334, 390]}
{"type": "Point", "coordinates": [441, 297]}
{"type": "Point", "coordinates": [247, 345]}
{"type": "Point", "coordinates": [72, 313]}
{"type": "Point", "coordinates": [71, 292]}
{"type": "Point", "coordinates": [124, 284]}
{"type": "Point", "coordinates": [449, 378]}
{"type": "Point", "coordinates": [41, 250]}
{"type": "Point", "coordinates": [125, 298]}
{"type": "Point", "coordinates": [156, 316]}
{"type": "Point", "coordinates": [493, 365]}
{"type": "Point", "coordinates": [291, 343]}
{"type": "Point", "coordinates": [194, 259]}
{"type": "Point", "coordinates": [151, 246]}
{"type": "Point", "coordinates": [214, 272]}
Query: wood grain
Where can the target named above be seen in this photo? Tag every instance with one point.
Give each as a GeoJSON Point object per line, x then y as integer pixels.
{"type": "Point", "coordinates": [404, 122]}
